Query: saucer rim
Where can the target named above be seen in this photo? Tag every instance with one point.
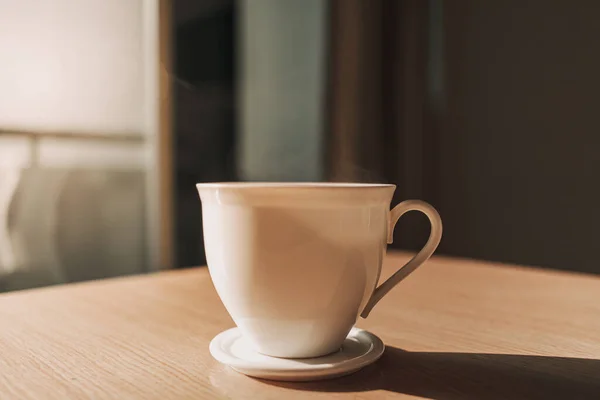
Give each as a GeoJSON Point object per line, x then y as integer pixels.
{"type": "Point", "coordinates": [319, 371]}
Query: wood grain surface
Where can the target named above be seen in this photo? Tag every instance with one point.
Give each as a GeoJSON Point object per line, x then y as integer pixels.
{"type": "Point", "coordinates": [456, 329]}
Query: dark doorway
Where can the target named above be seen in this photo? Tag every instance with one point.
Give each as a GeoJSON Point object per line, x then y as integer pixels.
{"type": "Point", "coordinates": [204, 118]}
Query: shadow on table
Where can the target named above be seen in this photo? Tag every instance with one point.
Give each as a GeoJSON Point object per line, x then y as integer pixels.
{"type": "Point", "coordinates": [469, 376]}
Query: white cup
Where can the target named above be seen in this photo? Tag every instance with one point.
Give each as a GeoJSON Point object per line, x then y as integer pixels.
{"type": "Point", "coordinates": [295, 264]}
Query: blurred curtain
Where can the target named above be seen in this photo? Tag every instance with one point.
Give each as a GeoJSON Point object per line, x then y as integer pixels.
{"type": "Point", "coordinates": [385, 82]}
{"type": "Point", "coordinates": [281, 85]}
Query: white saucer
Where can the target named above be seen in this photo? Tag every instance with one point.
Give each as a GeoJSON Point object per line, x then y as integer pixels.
{"type": "Point", "coordinates": [360, 349]}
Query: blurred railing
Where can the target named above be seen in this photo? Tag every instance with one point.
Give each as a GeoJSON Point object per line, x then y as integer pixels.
{"type": "Point", "coordinates": [72, 206]}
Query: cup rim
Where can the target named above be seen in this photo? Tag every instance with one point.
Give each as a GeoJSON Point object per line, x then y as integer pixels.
{"type": "Point", "coordinates": [293, 185]}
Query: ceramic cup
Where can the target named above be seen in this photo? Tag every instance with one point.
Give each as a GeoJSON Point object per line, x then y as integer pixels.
{"type": "Point", "coordinates": [295, 264]}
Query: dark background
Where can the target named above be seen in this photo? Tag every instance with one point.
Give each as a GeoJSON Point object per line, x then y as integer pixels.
{"type": "Point", "coordinates": [204, 115]}
{"type": "Point", "coordinates": [486, 109]}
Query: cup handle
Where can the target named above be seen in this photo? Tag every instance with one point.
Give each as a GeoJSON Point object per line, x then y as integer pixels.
{"type": "Point", "coordinates": [432, 243]}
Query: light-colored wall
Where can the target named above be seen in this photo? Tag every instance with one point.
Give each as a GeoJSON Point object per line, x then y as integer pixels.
{"type": "Point", "coordinates": [78, 66]}
{"type": "Point", "coordinates": [282, 81]}
{"type": "Point", "coordinates": [520, 151]}
{"type": "Point", "coordinates": [71, 64]}
{"type": "Point", "coordinates": [80, 208]}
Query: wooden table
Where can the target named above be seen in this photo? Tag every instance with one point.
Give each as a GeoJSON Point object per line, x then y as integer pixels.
{"type": "Point", "coordinates": [456, 329]}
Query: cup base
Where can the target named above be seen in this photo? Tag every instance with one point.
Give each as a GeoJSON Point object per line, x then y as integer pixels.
{"type": "Point", "coordinates": [360, 349]}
